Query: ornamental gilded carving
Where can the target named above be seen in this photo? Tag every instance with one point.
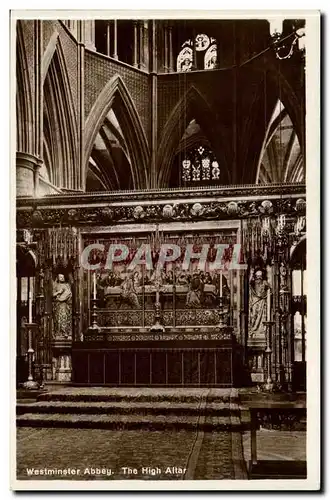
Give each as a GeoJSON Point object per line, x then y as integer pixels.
{"type": "Point", "coordinates": [266, 207]}
{"type": "Point", "coordinates": [154, 212]}
{"type": "Point", "coordinates": [168, 211]}
{"type": "Point", "coordinates": [232, 208]}
{"type": "Point", "coordinates": [197, 209]}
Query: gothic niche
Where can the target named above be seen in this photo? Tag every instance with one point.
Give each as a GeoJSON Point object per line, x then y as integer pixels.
{"type": "Point", "coordinates": [62, 309]}
{"type": "Point", "coordinates": [259, 306]}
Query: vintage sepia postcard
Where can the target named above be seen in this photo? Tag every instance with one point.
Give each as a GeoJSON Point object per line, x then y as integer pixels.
{"type": "Point", "coordinates": [166, 231]}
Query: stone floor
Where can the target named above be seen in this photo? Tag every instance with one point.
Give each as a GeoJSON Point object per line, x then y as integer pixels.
{"type": "Point", "coordinates": [92, 449]}
{"type": "Point", "coordinates": [276, 445]}
{"type": "Point", "coordinates": [167, 454]}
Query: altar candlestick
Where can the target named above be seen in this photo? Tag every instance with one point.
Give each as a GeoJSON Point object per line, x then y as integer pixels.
{"type": "Point", "coordinates": [94, 286]}
{"type": "Point", "coordinates": [220, 284]}
{"type": "Point", "coordinates": [30, 307]}
{"type": "Point", "coordinates": [268, 304]}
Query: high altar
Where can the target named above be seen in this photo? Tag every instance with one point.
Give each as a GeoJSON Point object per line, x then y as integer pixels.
{"type": "Point", "coordinates": [184, 323]}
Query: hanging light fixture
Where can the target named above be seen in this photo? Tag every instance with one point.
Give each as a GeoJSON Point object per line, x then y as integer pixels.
{"type": "Point", "coordinates": [275, 26]}
{"type": "Point", "coordinates": [284, 45]}
{"type": "Point", "coordinates": [301, 39]}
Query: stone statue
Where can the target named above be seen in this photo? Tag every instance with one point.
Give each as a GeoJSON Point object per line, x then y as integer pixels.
{"type": "Point", "coordinates": [62, 308]}
{"type": "Point", "coordinates": [258, 302]}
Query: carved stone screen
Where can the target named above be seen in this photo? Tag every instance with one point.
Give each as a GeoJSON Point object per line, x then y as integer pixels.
{"type": "Point", "coordinates": [178, 270]}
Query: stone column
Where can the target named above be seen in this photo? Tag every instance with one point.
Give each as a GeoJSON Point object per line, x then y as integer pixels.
{"type": "Point", "coordinates": [171, 62]}
{"type": "Point", "coordinates": [145, 44]}
{"type": "Point", "coordinates": [30, 151]}
{"type": "Point", "coordinates": [115, 54]}
{"type": "Point", "coordinates": [154, 103]}
{"type": "Point", "coordinates": [165, 48]}
{"type": "Point", "coordinates": [27, 174]}
{"type": "Point", "coordinates": [89, 34]}
{"type": "Point", "coordinates": [80, 180]}
{"type": "Point", "coordinates": [135, 63]}
{"type": "Point", "coordinates": [108, 38]}
{"type": "Point", "coordinates": [141, 44]}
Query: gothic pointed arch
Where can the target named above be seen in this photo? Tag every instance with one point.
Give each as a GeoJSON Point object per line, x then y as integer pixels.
{"type": "Point", "coordinates": [49, 53]}
{"type": "Point", "coordinates": [116, 96]}
{"type": "Point", "coordinates": [193, 105]}
{"type": "Point", "coordinates": [280, 158]}
{"type": "Point", "coordinates": [60, 127]}
{"type": "Point", "coordinates": [24, 104]}
{"type": "Point", "coordinates": [289, 88]}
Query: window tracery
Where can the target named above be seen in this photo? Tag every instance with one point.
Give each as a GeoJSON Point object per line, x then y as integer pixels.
{"type": "Point", "coordinates": [202, 44]}
{"type": "Point", "coordinates": [200, 164]}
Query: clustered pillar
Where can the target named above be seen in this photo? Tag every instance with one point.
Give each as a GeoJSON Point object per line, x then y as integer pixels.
{"type": "Point", "coordinates": [168, 48]}
{"type": "Point", "coordinates": [29, 160]}
{"type": "Point", "coordinates": [112, 50]}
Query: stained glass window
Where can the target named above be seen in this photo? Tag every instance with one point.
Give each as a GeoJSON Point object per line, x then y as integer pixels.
{"type": "Point", "coordinates": [215, 170]}
{"type": "Point", "coordinates": [200, 164]}
{"type": "Point", "coordinates": [211, 57]}
{"type": "Point", "coordinates": [202, 42]}
{"type": "Point", "coordinates": [185, 60]}
{"type": "Point", "coordinates": [206, 168]}
{"type": "Point", "coordinates": [206, 52]}
{"type": "Point", "coordinates": [186, 170]}
{"type": "Point", "coordinates": [196, 171]}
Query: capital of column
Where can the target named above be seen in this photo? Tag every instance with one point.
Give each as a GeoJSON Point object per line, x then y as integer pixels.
{"type": "Point", "coordinates": [27, 170]}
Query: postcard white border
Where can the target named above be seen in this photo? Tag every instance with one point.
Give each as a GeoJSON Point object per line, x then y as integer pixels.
{"type": "Point", "coordinates": [313, 259]}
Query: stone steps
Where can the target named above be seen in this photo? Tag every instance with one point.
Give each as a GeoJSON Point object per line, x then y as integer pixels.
{"type": "Point", "coordinates": [130, 422]}
{"type": "Point", "coordinates": [144, 394]}
{"type": "Point", "coordinates": [134, 408]}
{"type": "Point", "coordinates": [127, 408]}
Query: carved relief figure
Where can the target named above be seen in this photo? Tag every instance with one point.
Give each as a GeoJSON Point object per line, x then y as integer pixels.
{"type": "Point", "coordinates": [194, 296]}
{"type": "Point", "coordinates": [258, 305]}
{"type": "Point", "coordinates": [62, 308]}
{"type": "Point", "coordinates": [128, 293]}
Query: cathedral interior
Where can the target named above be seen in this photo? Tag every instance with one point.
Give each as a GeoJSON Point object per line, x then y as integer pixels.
{"type": "Point", "coordinates": [137, 135]}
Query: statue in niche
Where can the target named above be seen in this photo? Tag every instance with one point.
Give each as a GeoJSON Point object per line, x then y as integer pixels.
{"type": "Point", "coordinates": [62, 308]}
{"type": "Point", "coordinates": [283, 278]}
{"type": "Point", "coordinates": [259, 301]}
